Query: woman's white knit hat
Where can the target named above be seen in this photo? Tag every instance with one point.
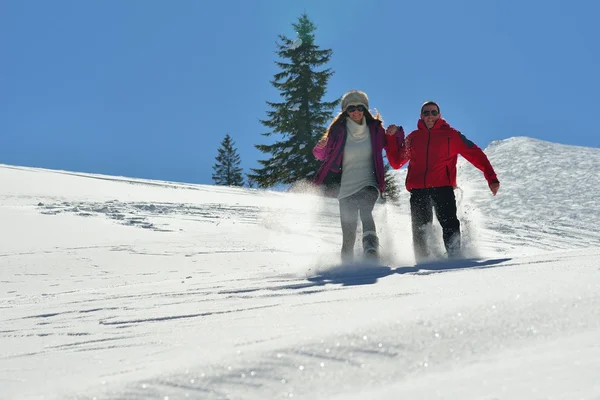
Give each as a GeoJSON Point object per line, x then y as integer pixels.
{"type": "Point", "coordinates": [354, 97]}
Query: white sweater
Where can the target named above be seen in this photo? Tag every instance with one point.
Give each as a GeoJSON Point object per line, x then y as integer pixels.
{"type": "Point", "coordinates": [357, 166]}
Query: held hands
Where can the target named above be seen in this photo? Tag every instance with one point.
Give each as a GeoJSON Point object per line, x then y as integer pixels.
{"type": "Point", "coordinates": [392, 129]}
{"type": "Point", "coordinates": [494, 186]}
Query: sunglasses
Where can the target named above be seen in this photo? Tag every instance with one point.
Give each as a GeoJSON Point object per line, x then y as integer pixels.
{"type": "Point", "coordinates": [432, 112]}
{"type": "Point", "coordinates": [359, 107]}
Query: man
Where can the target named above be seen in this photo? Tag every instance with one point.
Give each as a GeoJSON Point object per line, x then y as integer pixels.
{"type": "Point", "coordinates": [432, 150]}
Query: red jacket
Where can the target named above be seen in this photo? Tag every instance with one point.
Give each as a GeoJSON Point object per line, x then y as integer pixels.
{"type": "Point", "coordinates": [433, 155]}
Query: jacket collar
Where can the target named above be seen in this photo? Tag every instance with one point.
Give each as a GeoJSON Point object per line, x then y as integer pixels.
{"type": "Point", "coordinates": [438, 124]}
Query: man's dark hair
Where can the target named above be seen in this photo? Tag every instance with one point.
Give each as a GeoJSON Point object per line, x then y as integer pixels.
{"type": "Point", "coordinates": [430, 103]}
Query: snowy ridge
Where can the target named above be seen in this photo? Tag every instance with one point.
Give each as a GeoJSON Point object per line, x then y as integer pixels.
{"type": "Point", "coordinates": [113, 288]}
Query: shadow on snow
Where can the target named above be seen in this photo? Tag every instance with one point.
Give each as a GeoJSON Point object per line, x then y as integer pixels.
{"type": "Point", "coordinates": [365, 273]}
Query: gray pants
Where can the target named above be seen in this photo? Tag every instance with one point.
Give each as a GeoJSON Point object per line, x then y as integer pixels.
{"type": "Point", "coordinates": [361, 203]}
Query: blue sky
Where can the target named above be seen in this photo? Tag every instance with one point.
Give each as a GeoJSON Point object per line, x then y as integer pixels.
{"type": "Point", "coordinates": [149, 88]}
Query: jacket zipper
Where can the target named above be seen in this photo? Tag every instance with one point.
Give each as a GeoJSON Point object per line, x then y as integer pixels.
{"type": "Point", "coordinates": [427, 159]}
{"type": "Point", "coordinates": [447, 169]}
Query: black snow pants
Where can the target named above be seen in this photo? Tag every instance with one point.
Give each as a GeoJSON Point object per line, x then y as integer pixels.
{"type": "Point", "coordinates": [422, 204]}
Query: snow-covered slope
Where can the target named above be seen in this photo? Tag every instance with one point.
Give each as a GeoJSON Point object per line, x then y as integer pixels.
{"type": "Point", "coordinates": [119, 288]}
{"type": "Point", "coordinates": [548, 198]}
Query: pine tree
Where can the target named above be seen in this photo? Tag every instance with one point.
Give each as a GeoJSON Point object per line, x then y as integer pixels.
{"type": "Point", "coordinates": [250, 182]}
{"type": "Point", "coordinates": [301, 117]}
{"type": "Point", "coordinates": [227, 168]}
{"type": "Point", "coordinates": [392, 190]}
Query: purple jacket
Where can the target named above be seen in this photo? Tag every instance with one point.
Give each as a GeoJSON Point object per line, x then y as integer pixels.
{"type": "Point", "coordinates": [332, 153]}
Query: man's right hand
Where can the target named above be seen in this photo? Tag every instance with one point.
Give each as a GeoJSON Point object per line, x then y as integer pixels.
{"type": "Point", "coordinates": [494, 186]}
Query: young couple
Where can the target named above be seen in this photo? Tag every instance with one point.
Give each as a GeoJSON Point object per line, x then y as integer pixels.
{"type": "Point", "coordinates": [351, 151]}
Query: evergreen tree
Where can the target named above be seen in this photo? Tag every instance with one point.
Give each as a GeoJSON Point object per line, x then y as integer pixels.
{"type": "Point", "coordinates": [301, 117]}
{"type": "Point", "coordinates": [227, 168]}
{"type": "Point", "coordinates": [250, 182]}
{"type": "Point", "coordinates": [392, 190]}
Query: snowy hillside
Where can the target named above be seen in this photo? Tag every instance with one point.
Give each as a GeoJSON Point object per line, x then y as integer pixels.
{"type": "Point", "coordinates": [550, 189]}
{"type": "Point", "coordinates": [119, 288]}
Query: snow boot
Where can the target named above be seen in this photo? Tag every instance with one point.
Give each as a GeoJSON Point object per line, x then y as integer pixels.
{"type": "Point", "coordinates": [371, 245]}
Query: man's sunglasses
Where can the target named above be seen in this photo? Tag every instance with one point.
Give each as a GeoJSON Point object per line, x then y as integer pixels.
{"type": "Point", "coordinates": [359, 107]}
{"type": "Point", "coordinates": [432, 112]}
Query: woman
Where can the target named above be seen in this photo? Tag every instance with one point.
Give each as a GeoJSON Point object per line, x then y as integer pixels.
{"type": "Point", "coordinates": [351, 151]}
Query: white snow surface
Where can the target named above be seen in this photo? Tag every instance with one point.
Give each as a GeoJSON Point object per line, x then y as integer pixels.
{"type": "Point", "coordinates": [121, 288]}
